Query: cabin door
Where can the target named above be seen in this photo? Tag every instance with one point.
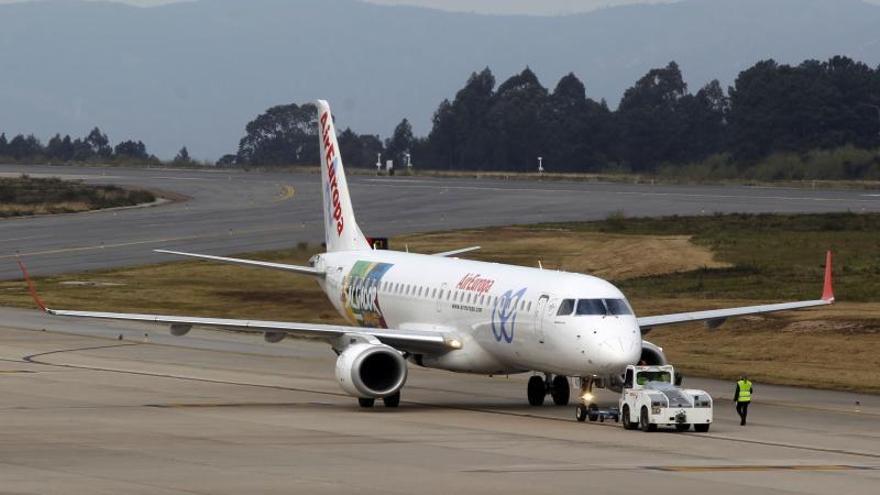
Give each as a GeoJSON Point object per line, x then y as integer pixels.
{"type": "Point", "coordinates": [539, 317]}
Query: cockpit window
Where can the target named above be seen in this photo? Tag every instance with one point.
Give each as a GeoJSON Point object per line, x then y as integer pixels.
{"type": "Point", "coordinates": [566, 307]}
{"type": "Point", "coordinates": [617, 307]}
{"type": "Point", "coordinates": [602, 307]}
{"type": "Point", "coordinates": [591, 307]}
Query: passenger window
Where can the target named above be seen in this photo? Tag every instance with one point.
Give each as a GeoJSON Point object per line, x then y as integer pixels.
{"type": "Point", "coordinates": [420, 291]}
{"type": "Point", "coordinates": [529, 307]}
{"type": "Point", "coordinates": [566, 307]}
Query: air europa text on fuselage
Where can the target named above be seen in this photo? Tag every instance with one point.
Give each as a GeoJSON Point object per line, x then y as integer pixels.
{"type": "Point", "coordinates": [473, 282]}
{"type": "Point", "coordinates": [330, 157]}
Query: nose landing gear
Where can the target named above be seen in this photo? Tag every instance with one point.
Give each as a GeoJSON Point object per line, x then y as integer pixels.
{"type": "Point", "coordinates": [557, 386]}
{"type": "Point", "coordinates": [587, 408]}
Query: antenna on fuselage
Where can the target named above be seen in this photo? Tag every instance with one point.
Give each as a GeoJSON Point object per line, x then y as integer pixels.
{"type": "Point", "coordinates": [540, 266]}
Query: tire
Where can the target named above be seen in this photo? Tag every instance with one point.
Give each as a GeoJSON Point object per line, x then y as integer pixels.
{"type": "Point", "coordinates": [627, 424]}
{"type": "Point", "coordinates": [392, 400]}
{"type": "Point", "coordinates": [580, 413]}
{"type": "Point", "coordinates": [536, 391]}
{"type": "Point", "coordinates": [560, 390]}
{"type": "Point", "coordinates": [366, 402]}
{"type": "Point", "coordinates": [593, 412]}
{"type": "Point", "coordinates": [701, 428]}
{"type": "Point", "coordinates": [644, 423]}
{"type": "Point", "coordinates": [682, 427]}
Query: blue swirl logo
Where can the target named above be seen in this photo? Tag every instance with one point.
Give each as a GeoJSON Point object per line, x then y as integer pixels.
{"type": "Point", "coordinates": [504, 315]}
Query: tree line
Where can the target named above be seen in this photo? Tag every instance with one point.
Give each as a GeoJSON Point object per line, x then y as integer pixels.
{"type": "Point", "coordinates": [658, 124]}
{"type": "Point", "coordinates": [817, 119]}
{"type": "Point", "coordinates": [95, 147]}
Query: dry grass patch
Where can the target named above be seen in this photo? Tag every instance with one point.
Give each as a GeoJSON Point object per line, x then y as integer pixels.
{"type": "Point", "coordinates": [612, 256]}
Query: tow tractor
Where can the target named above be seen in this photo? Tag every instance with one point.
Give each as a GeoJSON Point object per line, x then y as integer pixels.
{"type": "Point", "coordinates": [650, 399]}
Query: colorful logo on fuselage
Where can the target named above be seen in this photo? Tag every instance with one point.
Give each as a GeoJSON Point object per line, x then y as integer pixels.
{"type": "Point", "coordinates": [504, 315]}
{"type": "Point", "coordinates": [360, 294]}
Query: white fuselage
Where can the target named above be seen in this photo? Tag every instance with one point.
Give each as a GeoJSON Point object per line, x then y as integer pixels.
{"type": "Point", "coordinates": [505, 316]}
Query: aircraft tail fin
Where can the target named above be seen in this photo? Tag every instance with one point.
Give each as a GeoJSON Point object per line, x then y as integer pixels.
{"type": "Point", "coordinates": [341, 231]}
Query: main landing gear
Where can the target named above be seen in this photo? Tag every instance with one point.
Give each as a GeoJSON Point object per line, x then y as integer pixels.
{"type": "Point", "coordinates": [557, 386]}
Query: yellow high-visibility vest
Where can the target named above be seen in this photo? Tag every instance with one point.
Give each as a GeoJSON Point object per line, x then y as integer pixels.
{"type": "Point", "coordinates": [745, 391]}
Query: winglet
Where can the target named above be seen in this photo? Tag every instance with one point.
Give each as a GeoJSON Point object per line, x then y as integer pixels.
{"type": "Point", "coordinates": [31, 288]}
{"type": "Point", "coordinates": [828, 289]}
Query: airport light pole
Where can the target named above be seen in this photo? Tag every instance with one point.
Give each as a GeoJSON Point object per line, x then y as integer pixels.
{"type": "Point", "coordinates": [378, 163]}
{"type": "Point", "coordinates": [540, 164]}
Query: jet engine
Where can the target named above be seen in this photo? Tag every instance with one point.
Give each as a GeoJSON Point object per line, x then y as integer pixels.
{"type": "Point", "coordinates": [652, 354]}
{"type": "Point", "coordinates": [371, 370]}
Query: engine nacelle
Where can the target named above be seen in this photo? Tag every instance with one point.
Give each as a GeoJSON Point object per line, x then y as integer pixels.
{"type": "Point", "coordinates": [652, 354]}
{"type": "Point", "coordinates": [371, 370]}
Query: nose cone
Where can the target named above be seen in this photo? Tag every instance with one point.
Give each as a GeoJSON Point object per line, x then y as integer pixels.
{"type": "Point", "coordinates": [617, 352]}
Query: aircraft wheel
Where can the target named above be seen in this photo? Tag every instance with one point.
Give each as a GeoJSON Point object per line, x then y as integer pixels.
{"type": "Point", "coordinates": [366, 402]}
{"type": "Point", "coordinates": [392, 400]}
{"type": "Point", "coordinates": [536, 391]}
{"type": "Point", "coordinates": [580, 413]}
{"type": "Point", "coordinates": [560, 390]}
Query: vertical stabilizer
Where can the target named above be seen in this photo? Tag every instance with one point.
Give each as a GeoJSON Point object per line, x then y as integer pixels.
{"type": "Point", "coordinates": [340, 228]}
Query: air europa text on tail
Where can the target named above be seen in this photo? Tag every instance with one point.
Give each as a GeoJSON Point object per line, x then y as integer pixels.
{"type": "Point", "coordinates": [330, 157]}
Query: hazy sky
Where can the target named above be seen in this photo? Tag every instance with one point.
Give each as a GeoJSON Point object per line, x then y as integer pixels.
{"type": "Point", "coordinates": [542, 7]}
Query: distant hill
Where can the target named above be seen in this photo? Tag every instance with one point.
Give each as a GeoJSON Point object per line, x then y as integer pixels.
{"type": "Point", "coordinates": [194, 73]}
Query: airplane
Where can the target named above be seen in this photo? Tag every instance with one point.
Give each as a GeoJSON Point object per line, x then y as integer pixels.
{"type": "Point", "coordinates": [441, 311]}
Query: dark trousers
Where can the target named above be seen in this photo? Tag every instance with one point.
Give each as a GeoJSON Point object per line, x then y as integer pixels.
{"type": "Point", "coordinates": [742, 408]}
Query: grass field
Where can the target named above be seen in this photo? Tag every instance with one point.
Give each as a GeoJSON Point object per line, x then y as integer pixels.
{"type": "Point", "coordinates": [22, 196]}
{"type": "Point", "coordinates": [663, 265]}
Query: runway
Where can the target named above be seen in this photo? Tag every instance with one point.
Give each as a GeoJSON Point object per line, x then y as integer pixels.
{"type": "Point", "coordinates": [237, 211]}
{"type": "Point", "coordinates": [221, 413]}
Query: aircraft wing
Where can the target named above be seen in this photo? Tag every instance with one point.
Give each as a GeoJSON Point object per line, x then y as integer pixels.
{"type": "Point", "coordinates": [416, 341]}
{"type": "Point", "coordinates": [302, 270]}
{"type": "Point", "coordinates": [716, 317]}
{"type": "Point", "coordinates": [403, 340]}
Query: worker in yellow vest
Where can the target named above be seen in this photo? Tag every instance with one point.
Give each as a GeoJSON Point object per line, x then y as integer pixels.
{"type": "Point", "coordinates": [742, 397]}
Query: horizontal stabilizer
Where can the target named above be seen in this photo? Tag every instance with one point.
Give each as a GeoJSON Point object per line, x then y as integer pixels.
{"type": "Point", "coordinates": [456, 252]}
{"type": "Point", "coordinates": [302, 270]}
